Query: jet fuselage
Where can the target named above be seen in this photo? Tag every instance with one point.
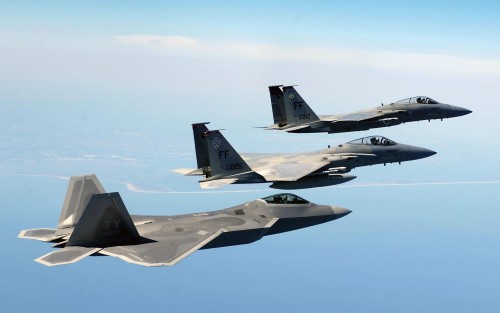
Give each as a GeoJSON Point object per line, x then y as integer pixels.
{"type": "Point", "coordinates": [241, 221]}
{"type": "Point", "coordinates": [389, 115]}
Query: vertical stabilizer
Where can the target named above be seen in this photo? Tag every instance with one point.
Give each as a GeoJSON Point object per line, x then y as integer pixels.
{"type": "Point", "coordinates": [278, 105]}
{"type": "Point", "coordinates": [105, 221]}
{"type": "Point", "coordinates": [200, 144]}
{"type": "Point", "coordinates": [297, 110]}
{"type": "Point", "coordinates": [224, 160]}
{"type": "Point", "coordinates": [80, 190]}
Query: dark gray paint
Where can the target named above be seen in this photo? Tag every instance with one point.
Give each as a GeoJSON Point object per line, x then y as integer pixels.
{"type": "Point", "coordinates": [106, 228]}
{"type": "Point", "coordinates": [293, 114]}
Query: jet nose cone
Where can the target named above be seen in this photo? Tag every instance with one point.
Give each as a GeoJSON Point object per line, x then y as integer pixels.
{"type": "Point", "coordinates": [340, 212]}
{"type": "Point", "coordinates": [424, 153]}
{"type": "Point", "coordinates": [459, 111]}
{"type": "Point", "coordinates": [415, 153]}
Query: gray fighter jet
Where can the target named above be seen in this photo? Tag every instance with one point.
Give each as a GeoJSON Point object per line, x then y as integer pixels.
{"type": "Point", "coordinates": [221, 164]}
{"type": "Point", "coordinates": [93, 222]}
{"type": "Point", "coordinates": [292, 114]}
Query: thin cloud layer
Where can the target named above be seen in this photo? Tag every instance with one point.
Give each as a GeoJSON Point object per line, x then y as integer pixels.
{"type": "Point", "coordinates": [311, 54]}
{"type": "Point", "coordinates": [162, 41]}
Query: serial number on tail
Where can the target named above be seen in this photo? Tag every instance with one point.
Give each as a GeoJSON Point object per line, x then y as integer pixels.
{"type": "Point", "coordinates": [304, 116]}
{"type": "Point", "coordinates": [234, 166]}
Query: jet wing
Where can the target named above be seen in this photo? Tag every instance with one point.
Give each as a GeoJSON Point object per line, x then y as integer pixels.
{"type": "Point", "coordinates": [167, 251]}
{"type": "Point", "coordinates": [365, 116]}
{"type": "Point", "coordinates": [290, 171]}
{"type": "Point", "coordinates": [176, 243]}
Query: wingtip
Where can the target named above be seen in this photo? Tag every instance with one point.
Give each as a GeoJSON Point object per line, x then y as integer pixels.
{"type": "Point", "coordinates": [22, 234]}
{"type": "Point", "coordinates": [183, 171]}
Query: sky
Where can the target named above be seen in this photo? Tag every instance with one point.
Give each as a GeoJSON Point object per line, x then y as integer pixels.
{"type": "Point", "coordinates": [112, 87]}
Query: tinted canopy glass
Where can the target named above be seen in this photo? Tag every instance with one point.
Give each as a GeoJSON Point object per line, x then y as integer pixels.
{"type": "Point", "coordinates": [285, 198]}
{"type": "Point", "coordinates": [373, 140]}
{"type": "Point", "coordinates": [418, 99]}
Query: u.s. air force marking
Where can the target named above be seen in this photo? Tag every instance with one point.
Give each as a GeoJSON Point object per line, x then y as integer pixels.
{"type": "Point", "coordinates": [216, 142]}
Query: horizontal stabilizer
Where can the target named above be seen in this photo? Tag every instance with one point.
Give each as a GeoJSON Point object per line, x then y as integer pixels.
{"type": "Point", "coordinates": [42, 234]}
{"type": "Point", "coordinates": [66, 255]}
{"type": "Point", "coordinates": [272, 127]}
{"type": "Point", "coordinates": [294, 128]}
{"type": "Point", "coordinates": [189, 171]}
{"type": "Point", "coordinates": [217, 183]}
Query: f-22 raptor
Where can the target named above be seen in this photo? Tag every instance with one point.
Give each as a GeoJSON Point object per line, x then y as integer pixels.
{"type": "Point", "coordinates": [221, 165]}
{"type": "Point", "coordinates": [292, 114]}
{"type": "Point", "coordinates": [94, 222]}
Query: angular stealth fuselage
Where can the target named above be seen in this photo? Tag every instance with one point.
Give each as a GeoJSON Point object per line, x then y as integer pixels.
{"type": "Point", "coordinates": [244, 223]}
{"type": "Point", "coordinates": [93, 222]}
{"type": "Point", "coordinates": [292, 114]}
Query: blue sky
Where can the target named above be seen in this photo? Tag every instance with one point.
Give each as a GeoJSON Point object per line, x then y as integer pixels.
{"type": "Point", "coordinates": [112, 87]}
{"type": "Point", "coordinates": [408, 26]}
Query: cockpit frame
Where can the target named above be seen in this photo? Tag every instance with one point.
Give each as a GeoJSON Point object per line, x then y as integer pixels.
{"type": "Point", "coordinates": [373, 141]}
{"type": "Point", "coordinates": [285, 198]}
{"type": "Point", "coordinates": [417, 99]}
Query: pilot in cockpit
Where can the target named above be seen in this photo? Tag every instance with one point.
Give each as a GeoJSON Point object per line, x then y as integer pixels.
{"type": "Point", "coordinates": [374, 141]}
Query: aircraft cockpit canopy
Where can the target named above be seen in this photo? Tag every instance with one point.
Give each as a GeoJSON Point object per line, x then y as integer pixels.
{"type": "Point", "coordinates": [418, 99]}
{"type": "Point", "coordinates": [373, 140]}
{"type": "Point", "coordinates": [285, 198]}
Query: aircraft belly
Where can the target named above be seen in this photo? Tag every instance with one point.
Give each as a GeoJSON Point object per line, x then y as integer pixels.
{"type": "Point", "coordinates": [289, 224]}
{"type": "Point", "coordinates": [313, 182]}
{"type": "Point", "coordinates": [343, 127]}
{"type": "Point", "coordinates": [310, 130]}
{"type": "Point", "coordinates": [234, 238]}
{"type": "Point", "coordinates": [252, 178]}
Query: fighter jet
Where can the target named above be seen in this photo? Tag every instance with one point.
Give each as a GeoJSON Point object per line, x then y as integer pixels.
{"type": "Point", "coordinates": [292, 114]}
{"type": "Point", "coordinates": [93, 222]}
{"type": "Point", "coordinates": [219, 162]}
